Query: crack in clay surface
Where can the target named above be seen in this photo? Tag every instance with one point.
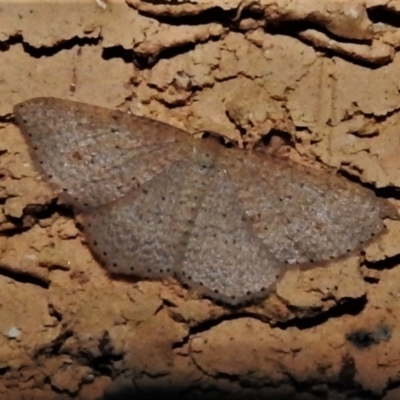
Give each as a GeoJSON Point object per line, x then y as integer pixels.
{"type": "Point", "coordinates": [155, 202]}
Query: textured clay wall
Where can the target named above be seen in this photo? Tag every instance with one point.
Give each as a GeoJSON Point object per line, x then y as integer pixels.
{"type": "Point", "coordinates": [321, 79]}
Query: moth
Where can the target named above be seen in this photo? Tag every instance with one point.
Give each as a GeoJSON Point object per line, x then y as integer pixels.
{"type": "Point", "coordinates": [153, 201]}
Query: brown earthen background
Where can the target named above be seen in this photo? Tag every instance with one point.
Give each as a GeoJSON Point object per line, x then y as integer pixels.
{"type": "Point", "coordinates": [324, 74]}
